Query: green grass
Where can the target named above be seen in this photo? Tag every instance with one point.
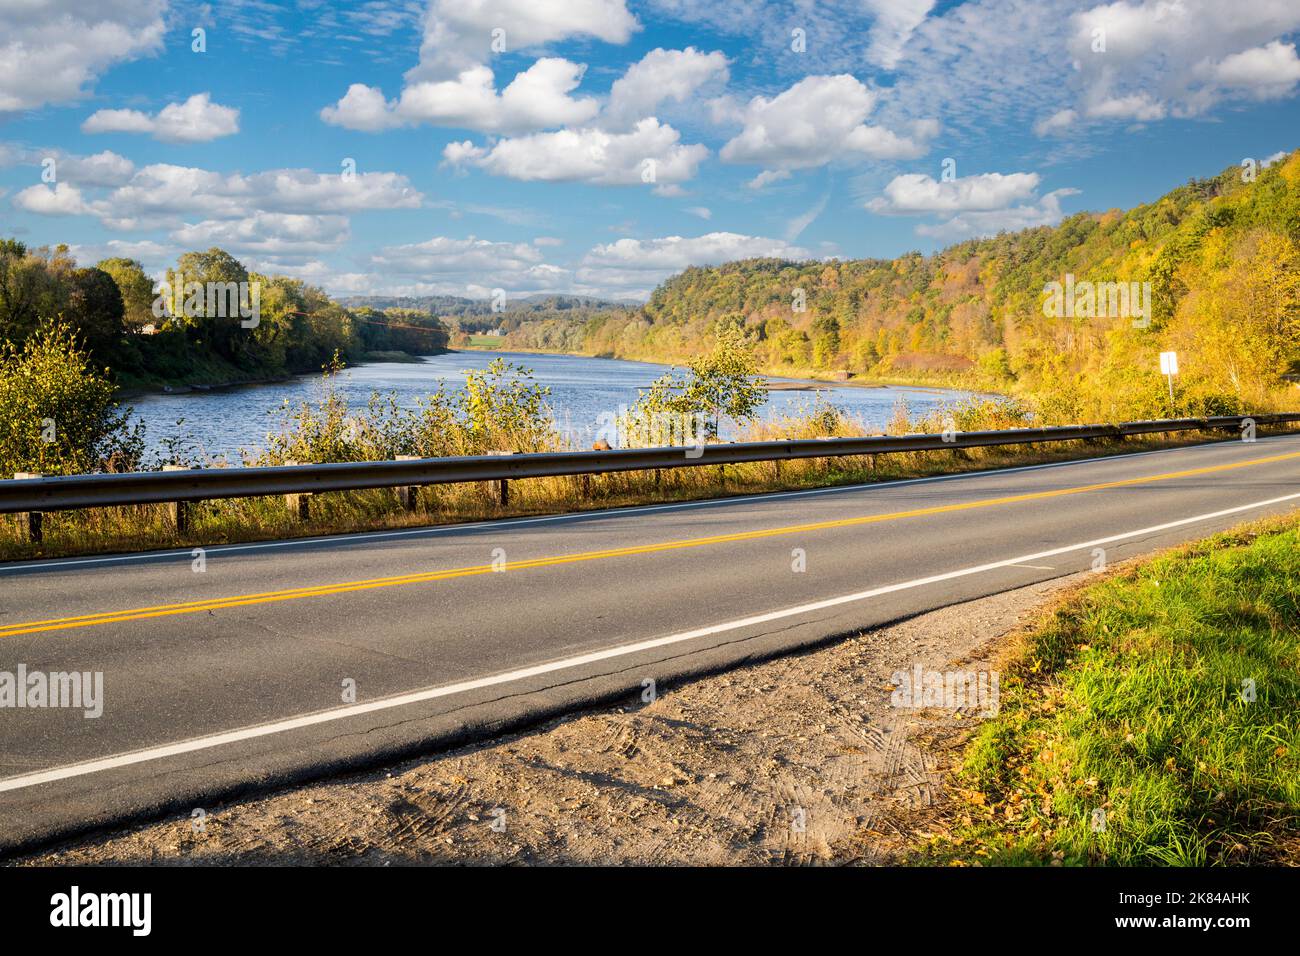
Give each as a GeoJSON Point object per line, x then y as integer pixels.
{"type": "Point", "coordinates": [1130, 699]}
{"type": "Point", "coordinates": [486, 341]}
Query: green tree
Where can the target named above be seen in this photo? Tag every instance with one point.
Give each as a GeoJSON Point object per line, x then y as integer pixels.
{"type": "Point", "coordinates": [57, 414]}
{"type": "Point", "coordinates": [94, 310]}
{"type": "Point", "coordinates": [136, 288]}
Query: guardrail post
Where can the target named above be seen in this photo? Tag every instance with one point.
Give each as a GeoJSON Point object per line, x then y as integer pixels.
{"type": "Point", "coordinates": [299, 502]}
{"type": "Point", "coordinates": [31, 524]}
{"type": "Point", "coordinates": [586, 486]}
{"type": "Point", "coordinates": [503, 485]}
{"type": "Point", "coordinates": [178, 511]}
{"type": "Point", "coordinates": [409, 495]}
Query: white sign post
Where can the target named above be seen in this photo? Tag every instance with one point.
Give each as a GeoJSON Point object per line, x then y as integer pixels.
{"type": "Point", "coordinates": [1169, 368]}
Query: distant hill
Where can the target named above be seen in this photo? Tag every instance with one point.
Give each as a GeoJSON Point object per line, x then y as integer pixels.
{"type": "Point", "coordinates": [1217, 260]}
{"type": "Point", "coordinates": [453, 306]}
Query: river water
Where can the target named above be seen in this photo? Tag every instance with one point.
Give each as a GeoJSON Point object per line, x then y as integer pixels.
{"type": "Point", "coordinates": [220, 423]}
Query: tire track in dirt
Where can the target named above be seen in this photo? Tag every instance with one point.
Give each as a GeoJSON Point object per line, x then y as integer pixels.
{"type": "Point", "coordinates": [795, 761]}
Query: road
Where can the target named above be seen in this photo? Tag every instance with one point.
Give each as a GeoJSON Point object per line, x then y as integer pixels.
{"type": "Point", "coordinates": [237, 676]}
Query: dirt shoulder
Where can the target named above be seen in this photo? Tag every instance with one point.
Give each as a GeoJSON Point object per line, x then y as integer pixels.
{"type": "Point", "coordinates": [798, 760]}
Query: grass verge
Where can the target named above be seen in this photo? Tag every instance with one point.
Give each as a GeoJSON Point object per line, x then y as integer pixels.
{"type": "Point", "coordinates": [1154, 719]}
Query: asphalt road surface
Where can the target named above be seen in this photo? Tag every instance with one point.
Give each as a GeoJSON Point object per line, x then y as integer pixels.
{"type": "Point", "coordinates": [280, 661]}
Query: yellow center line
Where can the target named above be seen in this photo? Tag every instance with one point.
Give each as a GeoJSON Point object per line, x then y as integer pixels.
{"type": "Point", "coordinates": [324, 590]}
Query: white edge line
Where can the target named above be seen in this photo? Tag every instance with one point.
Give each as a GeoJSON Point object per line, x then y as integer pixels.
{"type": "Point", "coordinates": [505, 524]}
{"type": "Point", "coordinates": [416, 697]}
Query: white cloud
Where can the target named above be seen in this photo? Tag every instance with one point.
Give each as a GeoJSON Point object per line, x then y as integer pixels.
{"type": "Point", "coordinates": [51, 51]}
{"type": "Point", "coordinates": [61, 199]}
{"type": "Point", "coordinates": [154, 256]}
{"type": "Point", "coordinates": [1045, 212]}
{"type": "Point", "coordinates": [1265, 72]}
{"type": "Point", "coordinates": [268, 233]}
{"type": "Point", "coordinates": [536, 99]}
{"type": "Point", "coordinates": [895, 21]}
{"type": "Point", "coordinates": [659, 76]}
{"type": "Point", "coordinates": [453, 86]}
{"type": "Point", "coordinates": [767, 177]}
{"type": "Point", "coordinates": [703, 212]}
{"type": "Point", "coordinates": [914, 193]}
{"type": "Point", "coordinates": [1182, 57]}
{"type": "Point", "coordinates": [164, 195]}
{"type": "Point", "coordinates": [818, 120]}
{"type": "Point", "coordinates": [1059, 122]}
{"type": "Point", "coordinates": [632, 267]}
{"type": "Point", "coordinates": [447, 266]}
{"type": "Point", "coordinates": [104, 168]}
{"type": "Point", "coordinates": [197, 120]}
{"type": "Point", "coordinates": [458, 34]}
{"type": "Point", "coordinates": [587, 155]}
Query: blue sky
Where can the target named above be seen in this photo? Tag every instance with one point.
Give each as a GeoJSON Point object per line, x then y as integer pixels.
{"type": "Point", "coordinates": [598, 146]}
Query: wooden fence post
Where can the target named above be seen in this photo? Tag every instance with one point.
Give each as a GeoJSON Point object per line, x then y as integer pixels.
{"type": "Point", "coordinates": [31, 524]}
{"type": "Point", "coordinates": [409, 495]}
{"type": "Point", "coordinates": [503, 484]}
{"type": "Point", "coordinates": [299, 502]}
{"type": "Point", "coordinates": [178, 511]}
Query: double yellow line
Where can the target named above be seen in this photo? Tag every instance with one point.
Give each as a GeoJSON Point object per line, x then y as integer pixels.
{"type": "Point", "coordinates": [325, 590]}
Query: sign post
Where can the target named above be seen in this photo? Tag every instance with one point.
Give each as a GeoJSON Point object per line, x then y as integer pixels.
{"type": "Point", "coordinates": [1169, 368]}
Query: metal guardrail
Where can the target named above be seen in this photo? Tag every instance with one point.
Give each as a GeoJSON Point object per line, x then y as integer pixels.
{"type": "Point", "coordinates": [99, 491]}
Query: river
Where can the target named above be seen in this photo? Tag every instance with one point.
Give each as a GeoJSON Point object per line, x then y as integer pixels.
{"type": "Point", "coordinates": [220, 422]}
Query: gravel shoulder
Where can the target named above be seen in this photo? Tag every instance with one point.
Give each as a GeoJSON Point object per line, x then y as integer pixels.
{"type": "Point", "coordinates": [799, 760]}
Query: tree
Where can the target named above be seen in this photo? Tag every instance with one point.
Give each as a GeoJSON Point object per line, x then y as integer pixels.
{"type": "Point", "coordinates": [136, 288]}
{"type": "Point", "coordinates": [190, 280]}
{"type": "Point", "coordinates": [57, 414]}
{"type": "Point", "coordinates": [94, 310]}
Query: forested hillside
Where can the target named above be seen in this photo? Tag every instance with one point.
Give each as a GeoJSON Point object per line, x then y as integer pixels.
{"type": "Point", "coordinates": [1221, 256]}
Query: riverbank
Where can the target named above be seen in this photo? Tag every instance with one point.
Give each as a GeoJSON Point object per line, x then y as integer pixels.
{"type": "Point", "coordinates": [818, 376]}
{"type": "Point", "coordinates": [216, 375]}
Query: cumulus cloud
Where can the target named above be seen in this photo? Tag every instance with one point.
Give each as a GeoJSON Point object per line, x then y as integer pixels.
{"type": "Point", "coordinates": [537, 98]}
{"type": "Point", "coordinates": [51, 51]}
{"type": "Point", "coordinates": [268, 233]}
{"type": "Point", "coordinates": [650, 153]}
{"type": "Point", "coordinates": [197, 120]}
{"type": "Point", "coordinates": [472, 266]}
{"type": "Point", "coordinates": [154, 256]}
{"type": "Point", "coordinates": [1044, 212]}
{"type": "Point", "coordinates": [632, 267]}
{"type": "Point", "coordinates": [818, 120]}
{"type": "Point", "coordinates": [104, 168]}
{"type": "Point", "coordinates": [459, 35]}
{"type": "Point", "coordinates": [453, 86]}
{"type": "Point", "coordinates": [1265, 72]}
{"type": "Point", "coordinates": [913, 193]}
{"type": "Point", "coordinates": [164, 196]}
{"type": "Point", "coordinates": [60, 199]}
{"type": "Point", "coordinates": [661, 75]}
{"type": "Point", "coordinates": [1147, 60]}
